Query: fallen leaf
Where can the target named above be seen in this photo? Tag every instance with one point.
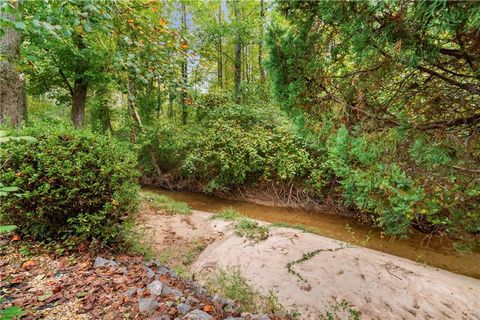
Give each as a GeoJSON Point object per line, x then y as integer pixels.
{"type": "Point", "coordinates": [208, 308]}
{"type": "Point", "coordinates": [16, 238]}
{"type": "Point", "coordinates": [27, 265]}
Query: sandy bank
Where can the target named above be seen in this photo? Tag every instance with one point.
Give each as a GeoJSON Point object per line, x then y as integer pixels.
{"type": "Point", "coordinates": [379, 285]}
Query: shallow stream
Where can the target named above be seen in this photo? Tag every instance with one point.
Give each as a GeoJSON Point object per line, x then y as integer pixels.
{"type": "Point", "coordinates": [419, 247]}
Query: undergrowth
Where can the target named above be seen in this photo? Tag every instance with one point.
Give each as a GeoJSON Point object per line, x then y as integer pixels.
{"type": "Point", "coordinates": [166, 204]}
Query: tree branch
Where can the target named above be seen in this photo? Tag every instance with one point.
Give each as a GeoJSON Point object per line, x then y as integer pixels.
{"type": "Point", "coordinates": [66, 81]}
{"type": "Point", "coordinates": [471, 88]}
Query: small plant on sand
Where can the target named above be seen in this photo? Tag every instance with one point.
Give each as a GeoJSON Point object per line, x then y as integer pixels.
{"type": "Point", "coordinates": [166, 204]}
{"type": "Point", "coordinates": [251, 229]}
{"type": "Point", "coordinates": [228, 214]}
{"type": "Point", "coordinates": [340, 310]}
{"type": "Point", "coordinates": [233, 286]}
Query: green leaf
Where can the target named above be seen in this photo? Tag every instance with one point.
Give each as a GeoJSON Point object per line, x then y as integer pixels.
{"type": "Point", "coordinates": [20, 25]}
{"type": "Point", "coordinates": [8, 189]}
{"type": "Point", "coordinates": [7, 228]}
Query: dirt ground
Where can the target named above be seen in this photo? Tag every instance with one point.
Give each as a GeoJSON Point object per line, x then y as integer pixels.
{"type": "Point", "coordinates": [310, 273]}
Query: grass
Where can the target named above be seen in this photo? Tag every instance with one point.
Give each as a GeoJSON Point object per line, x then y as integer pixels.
{"type": "Point", "coordinates": [244, 227]}
{"type": "Point", "coordinates": [232, 285]}
{"type": "Point", "coordinates": [251, 229]}
{"type": "Point", "coordinates": [228, 214]}
{"type": "Point", "coordinates": [166, 204]}
{"type": "Point", "coordinates": [302, 227]}
{"type": "Point", "coordinates": [340, 310]}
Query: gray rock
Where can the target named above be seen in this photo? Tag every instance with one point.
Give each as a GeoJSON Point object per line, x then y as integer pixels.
{"type": "Point", "coordinates": [192, 300]}
{"type": "Point", "coordinates": [147, 305]}
{"type": "Point", "coordinates": [161, 270]}
{"type": "Point", "coordinates": [140, 291]}
{"type": "Point", "coordinates": [150, 273]}
{"type": "Point", "coordinates": [169, 304]}
{"type": "Point", "coordinates": [123, 270]}
{"type": "Point", "coordinates": [183, 308]}
{"type": "Point", "coordinates": [235, 318]}
{"type": "Point", "coordinates": [199, 290]}
{"type": "Point", "coordinates": [101, 262]}
{"type": "Point", "coordinates": [170, 291]}
{"type": "Point", "coordinates": [153, 263]}
{"type": "Point", "coordinates": [130, 292]}
{"type": "Point", "coordinates": [264, 317]}
{"type": "Point", "coordinates": [198, 315]}
{"type": "Point", "coordinates": [155, 287]}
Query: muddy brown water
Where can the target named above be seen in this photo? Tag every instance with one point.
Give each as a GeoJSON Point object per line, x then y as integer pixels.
{"type": "Point", "coordinates": [434, 251]}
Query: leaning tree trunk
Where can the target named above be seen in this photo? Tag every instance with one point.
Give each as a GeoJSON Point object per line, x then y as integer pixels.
{"type": "Point", "coordinates": [13, 102]}
{"type": "Point", "coordinates": [79, 98]}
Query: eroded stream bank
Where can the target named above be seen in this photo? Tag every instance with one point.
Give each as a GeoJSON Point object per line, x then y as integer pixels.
{"type": "Point", "coordinates": [421, 248]}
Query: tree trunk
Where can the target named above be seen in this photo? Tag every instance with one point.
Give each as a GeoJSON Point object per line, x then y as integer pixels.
{"type": "Point", "coordinates": [171, 98]}
{"type": "Point", "coordinates": [13, 106]}
{"type": "Point", "coordinates": [159, 97]}
{"type": "Point", "coordinates": [238, 55]}
{"type": "Point", "coordinates": [260, 44]}
{"type": "Point", "coordinates": [183, 92]}
{"type": "Point", "coordinates": [220, 53]}
{"type": "Point", "coordinates": [79, 98]}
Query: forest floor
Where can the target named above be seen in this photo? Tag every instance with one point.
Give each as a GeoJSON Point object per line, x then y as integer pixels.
{"type": "Point", "coordinates": [311, 276]}
{"type": "Point", "coordinates": [50, 283]}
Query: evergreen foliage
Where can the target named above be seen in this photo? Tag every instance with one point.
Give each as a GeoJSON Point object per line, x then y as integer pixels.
{"type": "Point", "coordinates": [391, 90]}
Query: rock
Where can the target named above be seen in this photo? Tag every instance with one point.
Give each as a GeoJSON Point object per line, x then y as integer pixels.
{"type": "Point", "coordinates": [199, 290]}
{"type": "Point", "coordinates": [235, 318]}
{"type": "Point", "coordinates": [140, 291]}
{"type": "Point", "coordinates": [183, 308]}
{"type": "Point", "coordinates": [161, 270]}
{"type": "Point", "coordinates": [192, 300]}
{"type": "Point", "coordinates": [153, 263]}
{"type": "Point", "coordinates": [150, 273]}
{"type": "Point", "coordinates": [198, 315]}
{"type": "Point", "coordinates": [147, 305]}
{"type": "Point", "coordinates": [264, 317]}
{"type": "Point", "coordinates": [170, 291]}
{"type": "Point", "coordinates": [123, 270]}
{"type": "Point", "coordinates": [130, 292]}
{"type": "Point", "coordinates": [101, 262]}
{"type": "Point", "coordinates": [155, 287]}
{"type": "Point", "coordinates": [169, 304]}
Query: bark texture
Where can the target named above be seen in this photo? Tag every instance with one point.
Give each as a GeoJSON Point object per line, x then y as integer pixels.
{"type": "Point", "coordinates": [13, 102]}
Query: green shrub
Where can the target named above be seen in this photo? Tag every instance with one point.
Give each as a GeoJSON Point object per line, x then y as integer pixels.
{"type": "Point", "coordinates": [227, 214]}
{"type": "Point", "coordinates": [72, 183]}
{"type": "Point", "coordinates": [251, 229]}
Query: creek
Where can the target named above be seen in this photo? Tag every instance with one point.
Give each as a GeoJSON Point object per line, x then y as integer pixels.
{"type": "Point", "coordinates": [419, 247]}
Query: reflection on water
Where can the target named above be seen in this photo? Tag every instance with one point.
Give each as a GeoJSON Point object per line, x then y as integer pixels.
{"type": "Point", "coordinates": [430, 250]}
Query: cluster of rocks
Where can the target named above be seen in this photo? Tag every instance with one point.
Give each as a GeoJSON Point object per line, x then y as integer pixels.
{"type": "Point", "coordinates": [168, 296]}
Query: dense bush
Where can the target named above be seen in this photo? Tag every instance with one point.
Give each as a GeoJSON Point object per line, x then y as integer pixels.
{"type": "Point", "coordinates": [396, 130]}
{"type": "Point", "coordinates": [233, 145]}
{"type": "Point", "coordinates": [72, 183]}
